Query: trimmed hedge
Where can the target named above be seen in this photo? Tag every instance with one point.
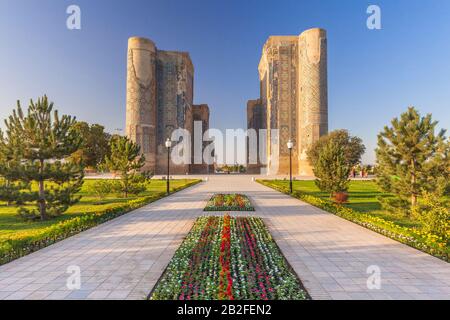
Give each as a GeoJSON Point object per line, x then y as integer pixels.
{"type": "Point", "coordinates": [426, 242]}
{"type": "Point", "coordinates": [15, 248]}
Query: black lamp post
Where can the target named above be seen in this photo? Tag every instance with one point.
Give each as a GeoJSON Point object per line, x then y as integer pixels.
{"type": "Point", "coordinates": [290, 145]}
{"type": "Point", "coordinates": [168, 146]}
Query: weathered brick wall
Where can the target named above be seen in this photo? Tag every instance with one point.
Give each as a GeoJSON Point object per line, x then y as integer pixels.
{"type": "Point", "coordinates": [279, 66]}
{"type": "Point", "coordinates": [160, 90]}
{"type": "Point", "coordinates": [294, 97]}
{"type": "Point", "coordinates": [174, 74]}
{"type": "Point", "coordinates": [313, 101]}
{"type": "Point", "coordinates": [141, 97]}
{"type": "Point", "coordinates": [255, 120]}
{"type": "Point", "coordinates": [201, 113]}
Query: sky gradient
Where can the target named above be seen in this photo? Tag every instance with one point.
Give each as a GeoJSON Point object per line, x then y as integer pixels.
{"type": "Point", "coordinates": [373, 75]}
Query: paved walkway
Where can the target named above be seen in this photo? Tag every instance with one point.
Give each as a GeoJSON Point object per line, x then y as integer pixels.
{"type": "Point", "coordinates": [123, 258]}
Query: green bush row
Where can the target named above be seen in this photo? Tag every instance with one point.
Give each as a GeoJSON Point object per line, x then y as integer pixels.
{"type": "Point", "coordinates": [14, 248]}
{"type": "Point", "coordinates": [414, 237]}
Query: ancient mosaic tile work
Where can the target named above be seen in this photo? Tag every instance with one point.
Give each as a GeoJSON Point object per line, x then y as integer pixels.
{"type": "Point", "coordinates": [293, 76]}
{"type": "Point", "coordinates": [160, 95]}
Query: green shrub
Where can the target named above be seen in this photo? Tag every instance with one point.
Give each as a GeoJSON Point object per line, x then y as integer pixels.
{"type": "Point", "coordinates": [138, 183]}
{"type": "Point", "coordinates": [433, 213]}
{"type": "Point", "coordinates": [102, 188]}
{"type": "Point", "coordinates": [332, 169]}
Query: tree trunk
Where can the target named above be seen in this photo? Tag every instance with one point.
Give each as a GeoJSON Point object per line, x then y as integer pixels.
{"type": "Point", "coordinates": [8, 184]}
{"type": "Point", "coordinates": [413, 200]}
{"type": "Point", "coordinates": [413, 182]}
{"type": "Point", "coordinates": [42, 204]}
{"type": "Point", "coordinates": [125, 189]}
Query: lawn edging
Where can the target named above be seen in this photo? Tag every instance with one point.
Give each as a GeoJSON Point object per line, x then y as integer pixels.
{"type": "Point", "coordinates": [15, 248]}
{"type": "Point", "coordinates": [426, 242]}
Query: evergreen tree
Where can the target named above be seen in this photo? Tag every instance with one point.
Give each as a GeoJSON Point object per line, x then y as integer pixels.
{"type": "Point", "coordinates": [10, 187]}
{"type": "Point", "coordinates": [332, 168]}
{"type": "Point", "coordinates": [40, 142]}
{"type": "Point", "coordinates": [126, 158]}
{"type": "Point", "coordinates": [411, 159]}
{"type": "Point", "coordinates": [11, 191]}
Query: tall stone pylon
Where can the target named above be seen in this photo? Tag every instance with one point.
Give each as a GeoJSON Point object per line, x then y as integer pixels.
{"type": "Point", "coordinates": [141, 97]}
{"type": "Point", "coordinates": [293, 98]}
{"type": "Point", "coordinates": [313, 97]}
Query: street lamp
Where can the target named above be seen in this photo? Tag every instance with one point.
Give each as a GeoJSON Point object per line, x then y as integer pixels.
{"type": "Point", "coordinates": [168, 146]}
{"type": "Point", "coordinates": [290, 145]}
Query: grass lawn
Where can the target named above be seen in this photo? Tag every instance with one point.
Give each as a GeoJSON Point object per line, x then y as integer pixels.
{"type": "Point", "coordinates": [362, 197]}
{"type": "Point", "coordinates": [11, 223]}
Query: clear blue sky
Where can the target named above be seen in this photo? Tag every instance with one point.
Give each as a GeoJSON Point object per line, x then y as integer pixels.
{"type": "Point", "coordinates": [373, 75]}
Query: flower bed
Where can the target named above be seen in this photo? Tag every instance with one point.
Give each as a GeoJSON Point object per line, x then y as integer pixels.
{"type": "Point", "coordinates": [19, 246]}
{"type": "Point", "coordinates": [229, 202]}
{"type": "Point", "coordinates": [427, 242]}
{"type": "Point", "coordinates": [225, 258]}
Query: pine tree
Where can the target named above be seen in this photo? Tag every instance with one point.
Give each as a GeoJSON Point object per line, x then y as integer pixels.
{"type": "Point", "coordinates": [10, 187]}
{"type": "Point", "coordinates": [411, 159]}
{"type": "Point", "coordinates": [126, 158]}
{"type": "Point", "coordinates": [42, 141]}
{"type": "Point", "coordinates": [331, 168]}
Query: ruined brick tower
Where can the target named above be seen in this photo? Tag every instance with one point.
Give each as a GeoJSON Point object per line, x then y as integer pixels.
{"type": "Point", "coordinates": [141, 97]}
{"type": "Point", "coordinates": [160, 94]}
{"type": "Point", "coordinates": [294, 97]}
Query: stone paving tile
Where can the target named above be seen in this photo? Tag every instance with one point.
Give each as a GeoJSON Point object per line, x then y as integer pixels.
{"type": "Point", "coordinates": [99, 294]}
{"type": "Point", "coordinates": [78, 294]}
{"type": "Point", "coordinates": [39, 295]}
{"type": "Point", "coordinates": [360, 296]}
{"type": "Point", "coordinates": [4, 294]}
{"type": "Point", "coordinates": [57, 295]}
{"type": "Point", "coordinates": [339, 296]}
{"type": "Point", "coordinates": [119, 294]}
{"type": "Point", "coordinates": [18, 295]}
{"type": "Point", "coordinates": [123, 258]}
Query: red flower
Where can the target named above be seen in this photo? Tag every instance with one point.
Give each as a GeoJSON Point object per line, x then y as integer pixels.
{"type": "Point", "coordinates": [226, 281]}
